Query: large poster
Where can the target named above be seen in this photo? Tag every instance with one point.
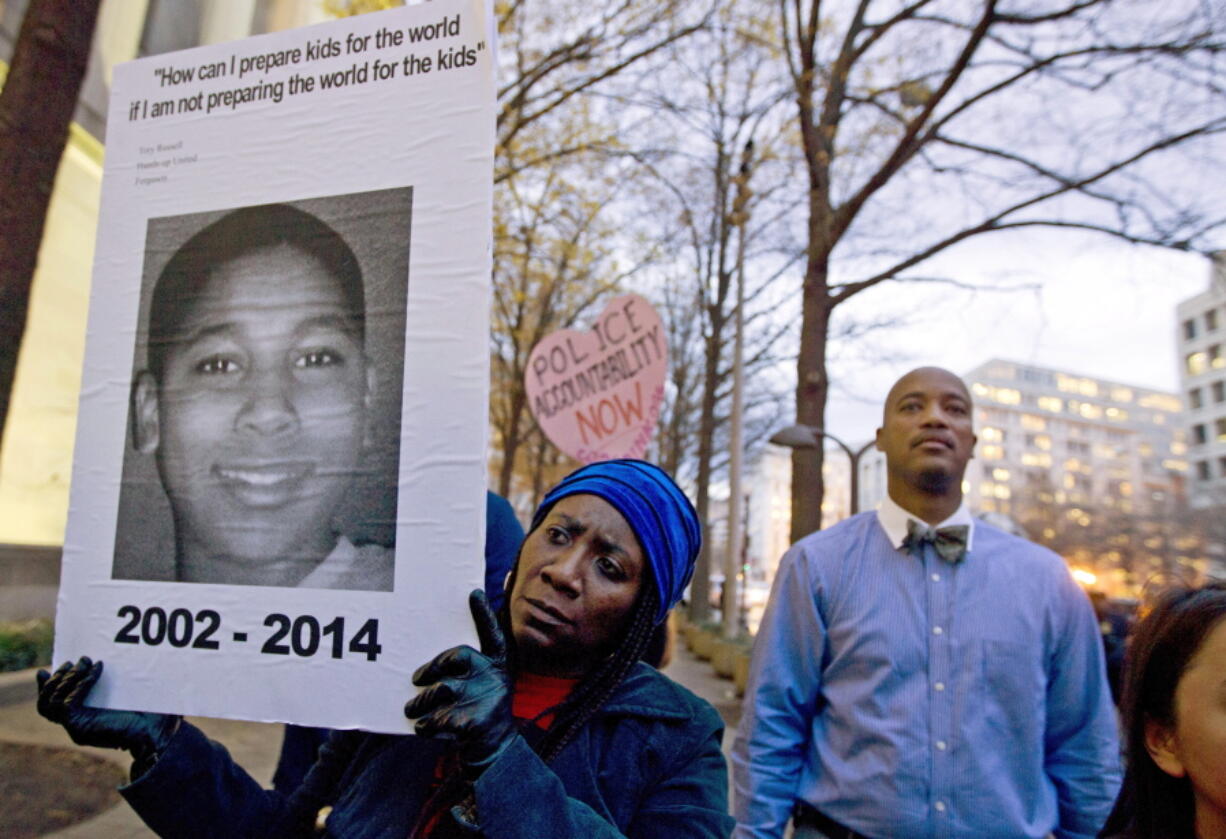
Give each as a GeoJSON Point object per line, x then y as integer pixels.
{"type": "Point", "coordinates": [278, 490]}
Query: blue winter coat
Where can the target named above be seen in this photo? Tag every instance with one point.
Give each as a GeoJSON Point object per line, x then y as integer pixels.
{"type": "Point", "coordinates": [647, 766]}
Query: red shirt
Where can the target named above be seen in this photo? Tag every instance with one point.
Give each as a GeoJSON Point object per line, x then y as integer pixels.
{"type": "Point", "coordinates": [533, 695]}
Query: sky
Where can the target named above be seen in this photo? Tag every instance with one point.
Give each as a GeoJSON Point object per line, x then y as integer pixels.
{"type": "Point", "coordinates": [1089, 305]}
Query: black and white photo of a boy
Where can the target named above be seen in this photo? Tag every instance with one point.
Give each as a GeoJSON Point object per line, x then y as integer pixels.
{"type": "Point", "coordinates": [255, 402]}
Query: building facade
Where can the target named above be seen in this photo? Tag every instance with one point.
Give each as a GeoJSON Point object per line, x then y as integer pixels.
{"type": "Point", "coordinates": [1201, 339]}
{"type": "Point", "coordinates": [769, 504]}
{"type": "Point", "coordinates": [1095, 469]}
{"type": "Point", "coordinates": [36, 452]}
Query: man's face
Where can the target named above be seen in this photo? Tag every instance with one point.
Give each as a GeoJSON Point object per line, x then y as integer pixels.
{"type": "Point", "coordinates": [926, 431]}
{"type": "Point", "coordinates": [260, 417]}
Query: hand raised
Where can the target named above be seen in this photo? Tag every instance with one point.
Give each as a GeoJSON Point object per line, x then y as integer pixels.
{"type": "Point", "coordinates": [468, 693]}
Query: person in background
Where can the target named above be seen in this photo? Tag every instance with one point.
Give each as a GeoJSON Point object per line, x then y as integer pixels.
{"type": "Point", "coordinates": [503, 536]}
{"type": "Point", "coordinates": [1113, 627]}
{"type": "Point", "coordinates": [1174, 713]}
{"type": "Point", "coordinates": [920, 674]}
{"type": "Point", "coordinates": [553, 728]}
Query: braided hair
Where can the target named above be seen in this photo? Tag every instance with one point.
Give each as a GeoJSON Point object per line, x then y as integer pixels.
{"type": "Point", "coordinates": [667, 530]}
{"type": "Point", "coordinates": [587, 698]}
{"type": "Point", "coordinates": [600, 683]}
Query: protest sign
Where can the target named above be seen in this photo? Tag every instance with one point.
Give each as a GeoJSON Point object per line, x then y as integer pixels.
{"type": "Point", "coordinates": [277, 505]}
{"type": "Point", "coordinates": [597, 394]}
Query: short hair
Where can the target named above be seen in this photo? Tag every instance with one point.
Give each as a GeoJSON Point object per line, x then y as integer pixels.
{"type": "Point", "coordinates": [236, 234]}
{"type": "Point", "coordinates": [1153, 804]}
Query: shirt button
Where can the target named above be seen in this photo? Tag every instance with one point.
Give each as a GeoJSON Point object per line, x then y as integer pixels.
{"type": "Point", "coordinates": [936, 578]}
{"type": "Point", "coordinates": [936, 630]}
{"type": "Point", "coordinates": [941, 745]}
{"type": "Point", "coordinates": [939, 686]}
{"type": "Point", "coordinates": [940, 806]}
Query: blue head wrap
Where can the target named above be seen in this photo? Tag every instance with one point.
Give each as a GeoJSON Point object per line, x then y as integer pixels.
{"type": "Point", "coordinates": [659, 513]}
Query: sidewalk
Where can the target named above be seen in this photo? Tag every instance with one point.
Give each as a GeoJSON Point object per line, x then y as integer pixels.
{"type": "Point", "coordinates": [699, 677]}
{"type": "Point", "coordinates": [255, 745]}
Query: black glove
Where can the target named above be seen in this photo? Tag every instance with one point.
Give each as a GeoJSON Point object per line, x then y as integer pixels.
{"type": "Point", "coordinates": [61, 699]}
{"type": "Point", "coordinates": [468, 693]}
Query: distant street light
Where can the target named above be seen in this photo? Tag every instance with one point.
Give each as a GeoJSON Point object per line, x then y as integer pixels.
{"type": "Point", "coordinates": [808, 437]}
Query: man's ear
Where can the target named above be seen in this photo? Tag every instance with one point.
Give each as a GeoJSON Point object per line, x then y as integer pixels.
{"type": "Point", "coordinates": [146, 428]}
{"type": "Point", "coordinates": [368, 438]}
{"type": "Point", "coordinates": [877, 445]}
{"type": "Point", "coordinates": [974, 442]}
{"type": "Point", "coordinates": [1161, 745]}
{"type": "Point", "coordinates": [372, 382]}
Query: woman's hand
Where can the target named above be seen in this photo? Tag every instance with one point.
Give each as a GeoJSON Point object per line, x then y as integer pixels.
{"type": "Point", "coordinates": [468, 693]}
{"type": "Point", "coordinates": [61, 699]}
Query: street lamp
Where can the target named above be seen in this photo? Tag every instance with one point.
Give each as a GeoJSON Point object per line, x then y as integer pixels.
{"type": "Point", "coordinates": [809, 437]}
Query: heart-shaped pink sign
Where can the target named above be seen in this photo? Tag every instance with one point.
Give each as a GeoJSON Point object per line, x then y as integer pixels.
{"type": "Point", "coordinates": [597, 394]}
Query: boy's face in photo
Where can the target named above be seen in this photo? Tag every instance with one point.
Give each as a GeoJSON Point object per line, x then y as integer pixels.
{"type": "Point", "coordinates": [259, 419]}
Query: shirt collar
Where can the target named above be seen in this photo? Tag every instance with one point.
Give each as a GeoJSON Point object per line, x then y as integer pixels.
{"type": "Point", "coordinates": [893, 519]}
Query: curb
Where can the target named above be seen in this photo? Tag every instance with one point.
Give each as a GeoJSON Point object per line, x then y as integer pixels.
{"type": "Point", "coordinates": [18, 687]}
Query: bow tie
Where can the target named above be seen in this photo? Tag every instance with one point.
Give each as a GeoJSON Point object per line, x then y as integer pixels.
{"type": "Point", "coordinates": [950, 542]}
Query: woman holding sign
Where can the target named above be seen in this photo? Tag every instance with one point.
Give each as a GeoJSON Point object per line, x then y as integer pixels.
{"type": "Point", "coordinates": [553, 728]}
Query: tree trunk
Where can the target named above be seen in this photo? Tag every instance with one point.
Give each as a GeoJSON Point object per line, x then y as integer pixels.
{"type": "Point", "coordinates": [700, 587]}
{"type": "Point", "coordinates": [511, 438]}
{"type": "Point", "coordinates": [36, 109]}
{"type": "Point", "coordinates": [812, 390]}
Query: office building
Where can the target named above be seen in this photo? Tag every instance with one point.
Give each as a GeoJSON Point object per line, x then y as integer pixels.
{"type": "Point", "coordinates": [1094, 469]}
{"type": "Point", "coordinates": [1201, 338]}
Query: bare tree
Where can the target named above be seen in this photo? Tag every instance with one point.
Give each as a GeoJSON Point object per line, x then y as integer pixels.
{"type": "Point", "coordinates": [562, 165]}
{"type": "Point", "coordinates": [36, 107]}
{"type": "Point", "coordinates": [722, 100]}
{"type": "Point", "coordinates": [925, 123]}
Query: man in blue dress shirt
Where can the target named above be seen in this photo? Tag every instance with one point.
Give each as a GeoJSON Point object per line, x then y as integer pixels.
{"type": "Point", "coordinates": [921, 674]}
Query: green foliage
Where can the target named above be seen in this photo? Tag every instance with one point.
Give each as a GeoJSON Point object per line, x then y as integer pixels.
{"type": "Point", "coordinates": [26, 644]}
{"type": "Point", "coordinates": [349, 8]}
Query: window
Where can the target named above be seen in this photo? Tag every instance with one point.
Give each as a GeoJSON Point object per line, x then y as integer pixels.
{"type": "Point", "coordinates": [1211, 320]}
{"type": "Point", "coordinates": [1215, 356]}
{"type": "Point", "coordinates": [1199, 436]}
{"type": "Point", "coordinates": [1041, 459]}
{"type": "Point", "coordinates": [1077, 483]}
{"type": "Point", "coordinates": [1189, 329]}
{"type": "Point", "coordinates": [1196, 363]}
{"type": "Point", "coordinates": [1162, 401]}
{"type": "Point", "coordinates": [1202, 470]}
{"type": "Point", "coordinates": [1086, 409]}
{"type": "Point", "coordinates": [1194, 398]}
{"type": "Point", "coordinates": [1039, 377]}
{"type": "Point", "coordinates": [1219, 391]}
{"type": "Point", "coordinates": [1004, 395]}
{"type": "Point", "coordinates": [1221, 466]}
{"type": "Point", "coordinates": [1051, 403]}
{"type": "Point", "coordinates": [1072, 384]}
{"type": "Point", "coordinates": [1219, 428]}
